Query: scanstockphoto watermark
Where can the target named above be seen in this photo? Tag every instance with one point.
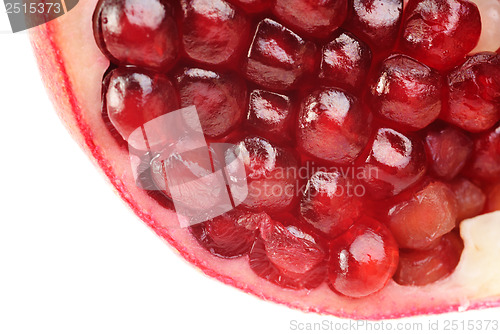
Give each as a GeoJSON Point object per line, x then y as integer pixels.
{"type": "Point", "coordinates": [431, 325]}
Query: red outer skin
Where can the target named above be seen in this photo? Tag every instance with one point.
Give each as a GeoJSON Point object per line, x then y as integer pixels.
{"type": "Point", "coordinates": [390, 303]}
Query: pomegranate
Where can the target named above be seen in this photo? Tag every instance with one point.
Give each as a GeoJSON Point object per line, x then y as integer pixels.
{"type": "Point", "coordinates": [341, 157]}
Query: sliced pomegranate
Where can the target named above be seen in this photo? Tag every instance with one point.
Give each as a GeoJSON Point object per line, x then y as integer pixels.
{"type": "Point", "coordinates": [270, 114]}
{"type": "Point", "coordinates": [278, 58]}
{"type": "Point", "coordinates": [395, 162]}
{"type": "Point", "coordinates": [313, 18]}
{"type": "Point", "coordinates": [331, 202]}
{"type": "Point", "coordinates": [213, 31]}
{"type": "Point", "coordinates": [440, 33]}
{"type": "Point", "coordinates": [376, 21]}
{"type": "Point", "coordinates": [345, 62]}
{"type": "Point", "coordinates": [406, 92]}
{"type": "Point", "coordinates": [448, 149]}
{"type": "Point", "coordinates": [420, 221]}
{"type": "Point", "coordinates": [124, 28]}
{"type": "Point", "coordinates": [363, 259]}
{"type": "Point", "coordinates": [220, 98]}
{"type": "Point", "coordinates": [474, 93]}
{"type": "Point", "coordinates": [132, 98]}
{"type": "Point", "coordinates": [422, 267]}
{"type": "Point", "coordinates": [470, 199]}
{"type": "Point", "coordinates": [288, 256]}
{"type": "Point", "coordinates": [332, 126]}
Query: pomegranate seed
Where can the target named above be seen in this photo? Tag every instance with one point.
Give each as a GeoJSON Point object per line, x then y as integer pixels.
{"type": "Point", "coordinates": [270, 174]}
{"type": "Point", "coordinates": [395, 163]}
{"type": "Point", "coordinates": [229, 235]}
{"type": "Point", "coordinates": [345, 62]}
{"type": "Point", "coordinates": [220, 98]}
{"type": "Point", "coordinates": [253, 6]}
{"type": "Point", "coordinates": [485, 164]}
{"type": "Point", "coordinates": [376, 21]}
{"type": "Point", "coordinates": [213, 31]}
{"type": "Point", "coordinates": [133, 97]}
{"type": "Point", "coordinates": [474, 93]}
{"type": "Point", "coordinates": [270, 115]}
{"type": "Point", "coordinates": [470, 199]}
{"type": "Point", "coordinates": [422, 267]}
{"type": "Point", "coordinates": [288, 256]}
{"type": "Point", "coordinates": [440, 33]}
{"type": "Point", "coordinates": [448, 149]}
{"type": "Point", "coordinates": [363, 259]}
{"type": "Point", "coordinates": [420, 221]}
{"type": "Point", "coordinates": [332, 126]}
{"type": "Point", "coordinates": [123, 29]}
{"type": "Point", "coordinates": [330, 203]}
{"type": "Point", "coordinates": [313, 18]}
{"type": "Point", "coordinates": [406, 92]}
{"type": "Point", "coordinates": [278, 58]}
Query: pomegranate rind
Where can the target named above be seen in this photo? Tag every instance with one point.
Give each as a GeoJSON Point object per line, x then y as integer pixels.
{"type": "Point", "coordinates": [72, 68]}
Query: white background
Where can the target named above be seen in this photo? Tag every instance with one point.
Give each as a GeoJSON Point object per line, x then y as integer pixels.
{"type": "Point", "coordinates": [74, 259]}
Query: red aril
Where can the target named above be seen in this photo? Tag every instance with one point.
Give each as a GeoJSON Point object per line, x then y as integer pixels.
{"type": "Point", "coordinates": [422, 267]}
{"type": "Point", "coordinates": [123, 29]}
{"type": "Point", "coordinates": [331, 202]}
{"type": "Point", "coordinates": [278, 58]}
{"type": "Point", "coordinates": [485, 165]}
{"type": "Point", "coordinates": [376, 21]}
{"type": "Point", "coordinates": [470, 199]}
{"type": "Point", "coordinates": [474, 93]}
{"type": "Point", "coordinates": [313, 18]}
{"type": "Point", "coordinates": [448, 149]}
{"type": "Point", "coordinates": [134, 97]}
{"type": "Point", "coordinates": [253, 6]}
{"type": "Point", "coordinates": [332, 126]}
{"type": "Point", "coordinates": [220, 98]}
{"type": "Point", "coordinates": [213, 31]}
{"type": "Point", "coordinates": [345, 62]}
{"type": "Point", "coordinates": [395, 162]}
{"type": "Point", "coordinates": [440, 33]}
{"type": "Point", "coordinates": [420, 221]}
{"type": "Point", "coordinates": [406, 92]}
{"type": "Point", "coordinates": [363, 259]}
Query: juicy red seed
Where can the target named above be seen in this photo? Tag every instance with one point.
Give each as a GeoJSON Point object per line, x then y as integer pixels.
{"type": "Point", "coordinates": [363, 259]}
{"type": "Point", "coordinates": [213, 31]}
{"type": "Point", "coordinates": [406, 92]}
{"type": "Point", "coordinates": [227, 236]}
{"type": "Point", "coordinates": [313, 18]}
{"type": "Point", "coordinates": [270, 115]}
{"type": "Point", "coordinates": [449, 149]}
{"type": "Point", "coordinates": [278, 58]}
{"type": "Point", "coordinates": [253, 6]}
{"type": "Point", "coordinates": [470, 199]}
{"type": "Point", "coordinates": [376, 21]}
{"type": "Point", "coordinates": [122, 30]}
{"type": "Point", "coordinates": [270, 172]}
{"type": "Point", "coordinates": [345, 62]}
{"type": "Point", "coordinates": [332, 126]}
{"type": "Point", "coordinates": [493, 199]}
{"type": "Point", "coordinates": [288, 256]}
{"type": "Point", "coordinates": [220, 98]}
{"type": "Point", "coordinates": [419, 222]}
{"type": "Point", "coordinates": [440, 33]}
{"type": "Point", "coordinates": [474, 93]}
{"type": "Point", "coordinates": [330, 203]}
{"type": "Point", "coordinates": [395, 163]}
{"type": "Point", "coordinates": [422, 267]}
{"type": "Point", "coordinates": [135, 97]}
{"type": "Point", "coordinates": [485, 164]}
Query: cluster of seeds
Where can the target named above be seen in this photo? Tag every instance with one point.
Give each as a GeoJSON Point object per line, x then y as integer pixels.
{"type": "Point", "coordinates": [394, 122]}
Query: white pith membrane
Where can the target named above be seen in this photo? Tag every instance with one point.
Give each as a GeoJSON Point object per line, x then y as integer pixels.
{"type": "Point", "coordinates": [73, 73]}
